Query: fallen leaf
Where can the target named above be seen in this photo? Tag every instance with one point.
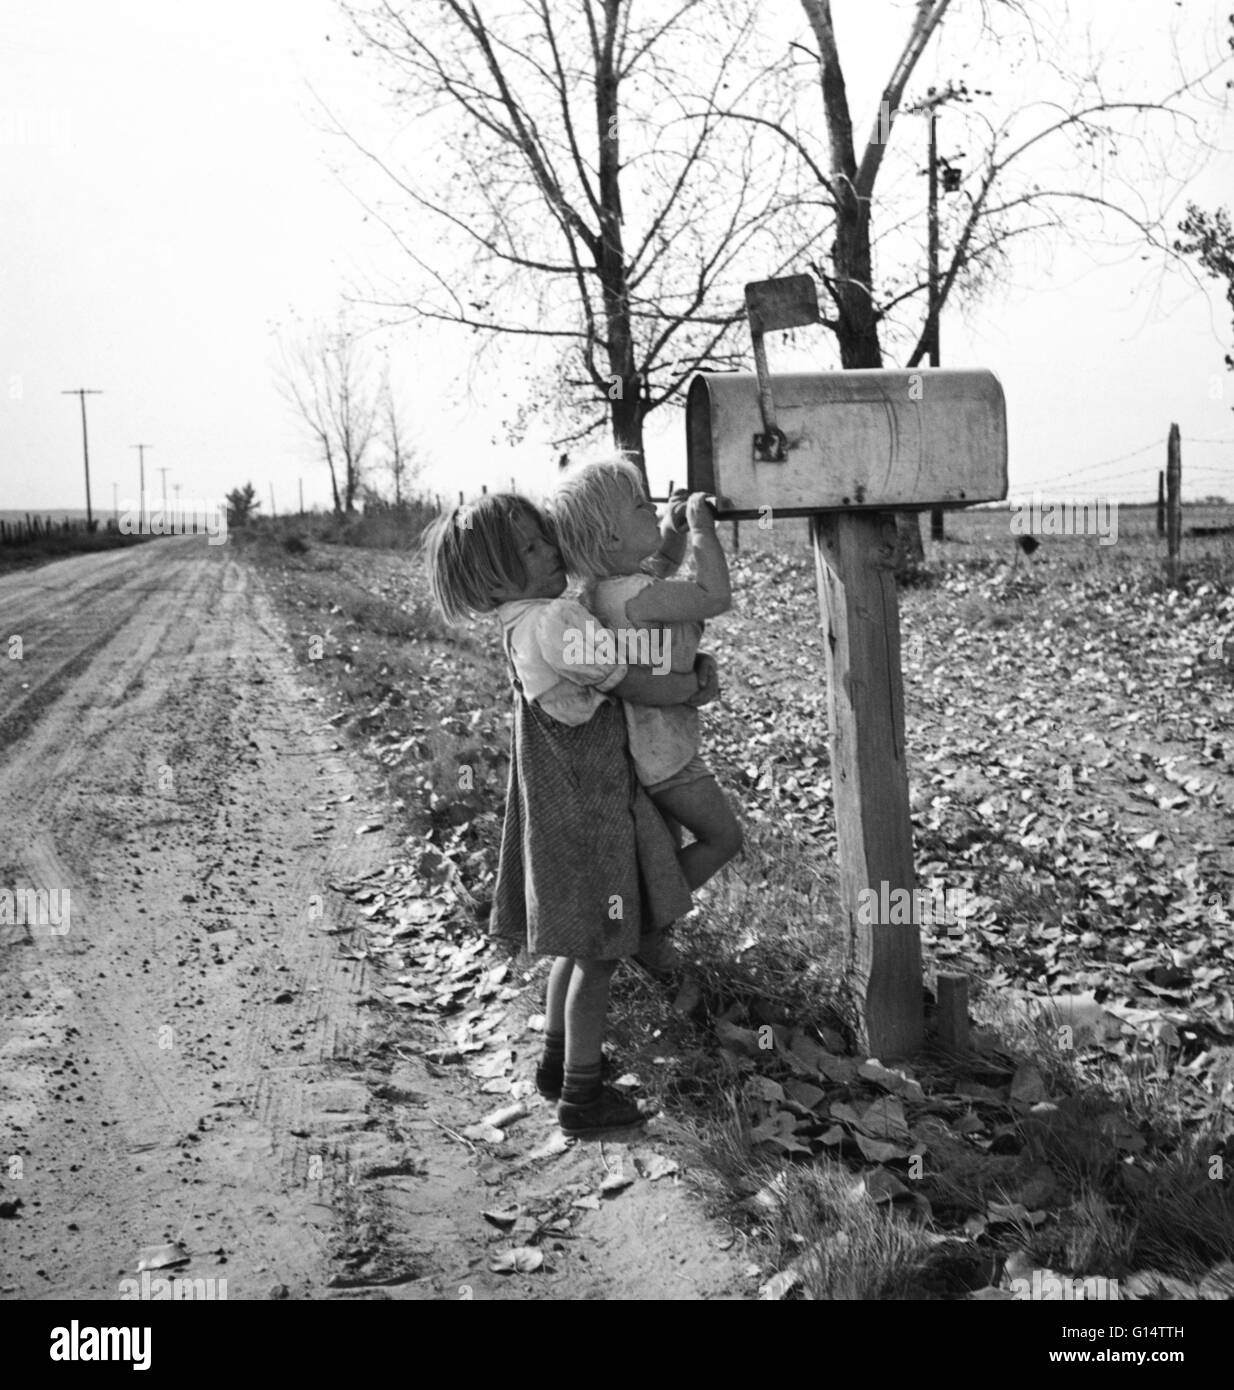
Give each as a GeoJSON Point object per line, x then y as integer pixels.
{"type": "Point", "coordinates": [655, 1166]}
{"type": "Point", "coordinates": [764, 1088]}
{"type": "Point", "coordinates": [884, 1119]}
{"type": "Point", "coordinates": [523, 1259]}
{"type": "Point", "coordinates": [779, 1285]}
{"type": "Point", "coordinates": [740, 1040]}
{"type": "Point", "coordinates": [878, 1150]}
{"type": "Point", "coordinates": [505, 1116]}
{"type": "Point", "coordinates": [484, 1134]}
{"type": "Point", "coordinates": [555, 1144]}
{"type": "Point", "coordinates": [896, 1082]}
{"type": "Point", "coordinates": [805, 1094]}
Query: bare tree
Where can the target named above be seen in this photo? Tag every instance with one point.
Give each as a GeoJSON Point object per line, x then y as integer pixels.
{"type": "Point", "coordinates": [608, 211]}
{"type": "Point", "coordinates": [1001, 197]}
{"type": "Point", "coordinates": [326, 376]}
{"type": "Point", "coordinates": [402, 458]}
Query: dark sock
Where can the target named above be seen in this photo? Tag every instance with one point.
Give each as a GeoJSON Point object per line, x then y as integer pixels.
{"type": "Point", "coordinates": [554, 1058]}
{"type": "Point", "coordinates": [582, 1085]}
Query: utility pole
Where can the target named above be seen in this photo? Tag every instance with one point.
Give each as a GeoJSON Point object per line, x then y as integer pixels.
{"type": "Point", "coordinates": [115, 504]}
{"type": "Point", "coordinates": [301, 482]}
{"type": "Point", "coordinates": [164, 472]}
{"type": "Point", "coordinates": [929, 106]}
{"type": "Point", "coordinates": [936, 514]}
{"type": "Point", "coordinates": [175, 487]}
{"type": "Point", "coordinates": [141, 496]}
{"type": "Point", "coordinates": [82, 392]}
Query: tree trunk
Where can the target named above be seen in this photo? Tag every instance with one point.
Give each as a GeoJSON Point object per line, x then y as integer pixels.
{"type": "Point", "coordinates": [338, 506]}
{"type": "Point", "coordinates": [851, 188]}
{"type": "Point", "coordinates": [627, 394]}
{"type": "Point", "coordinates": [628, 413]}
{"type": "Point", "coordinates": [858, 333]}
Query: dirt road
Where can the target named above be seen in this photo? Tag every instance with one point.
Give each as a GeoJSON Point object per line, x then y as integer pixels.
{"type": "Point", "coordinates": [185, 1057]}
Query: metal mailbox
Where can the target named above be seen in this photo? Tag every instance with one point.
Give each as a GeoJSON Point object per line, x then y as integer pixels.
{"type": "Point", "coordinates": [898, 440]}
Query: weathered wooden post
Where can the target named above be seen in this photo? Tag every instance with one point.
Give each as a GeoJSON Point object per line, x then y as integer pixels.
{"type": "Point", "coordinates": [854, 559]}
{"type": "Point", "coordinates": [953, 1011]}
{"type": "Point", "coordinates": [1174, 505]}
{"type": "Point", "coordinates": [848, 449]}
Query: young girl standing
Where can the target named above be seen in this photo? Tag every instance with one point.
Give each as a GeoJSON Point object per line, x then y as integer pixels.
{"type": "Point", "coordinates": [586, 864]}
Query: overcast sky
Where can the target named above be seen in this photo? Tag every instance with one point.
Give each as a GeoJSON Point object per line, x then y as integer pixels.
{"type": "Point", "coordinates": [170, 192]}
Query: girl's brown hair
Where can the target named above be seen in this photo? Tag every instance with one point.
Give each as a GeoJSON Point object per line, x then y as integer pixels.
{"type": "Point", "coordinates": [474, 549]}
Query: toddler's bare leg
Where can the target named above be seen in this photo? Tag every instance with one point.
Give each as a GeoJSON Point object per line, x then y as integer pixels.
{"type": "Point", "coordinates": [700, 806]}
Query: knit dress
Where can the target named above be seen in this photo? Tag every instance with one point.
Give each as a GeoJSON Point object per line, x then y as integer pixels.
{"type": "Point", "coordinates": [587, 863]}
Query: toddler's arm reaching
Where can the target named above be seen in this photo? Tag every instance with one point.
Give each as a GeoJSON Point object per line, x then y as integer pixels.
{"type": "Point", "coordinates": [681, 600]}
{"type": "Point", "coordinates": [667, 560]}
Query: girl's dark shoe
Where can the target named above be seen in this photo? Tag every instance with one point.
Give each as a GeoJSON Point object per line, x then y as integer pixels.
{"type": "Point", "coordinates": [609, 1110]}
{"type": "Point", "coordinates": [549, 1080]}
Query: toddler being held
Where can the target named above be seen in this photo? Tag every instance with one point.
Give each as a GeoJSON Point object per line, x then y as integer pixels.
{"type": "Point", "coordinates": [608, 534]}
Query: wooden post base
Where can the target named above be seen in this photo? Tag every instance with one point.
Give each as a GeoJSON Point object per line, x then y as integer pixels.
{"type": "Point", "coordinates": [854, 560]}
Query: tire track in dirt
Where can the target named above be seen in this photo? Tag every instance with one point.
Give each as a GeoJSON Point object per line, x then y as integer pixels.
{"type": "Point", "coordinates": [152, 1019]}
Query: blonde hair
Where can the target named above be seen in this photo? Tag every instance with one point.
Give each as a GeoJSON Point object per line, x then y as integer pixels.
{"type": "Point", "coordinates": [473, 549]}
{"type": "Point", "coordinates": [581, 509]}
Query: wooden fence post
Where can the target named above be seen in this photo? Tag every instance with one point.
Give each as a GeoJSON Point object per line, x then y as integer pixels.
{"type": "Point", "coordinates": [1174, 508]}
{"type": "Point", "coordinates": [854, 556]}
{"type": "Point", "coordinates": [1161, 502]}
{"type": "Point", "coordinates": [952, 1031]}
